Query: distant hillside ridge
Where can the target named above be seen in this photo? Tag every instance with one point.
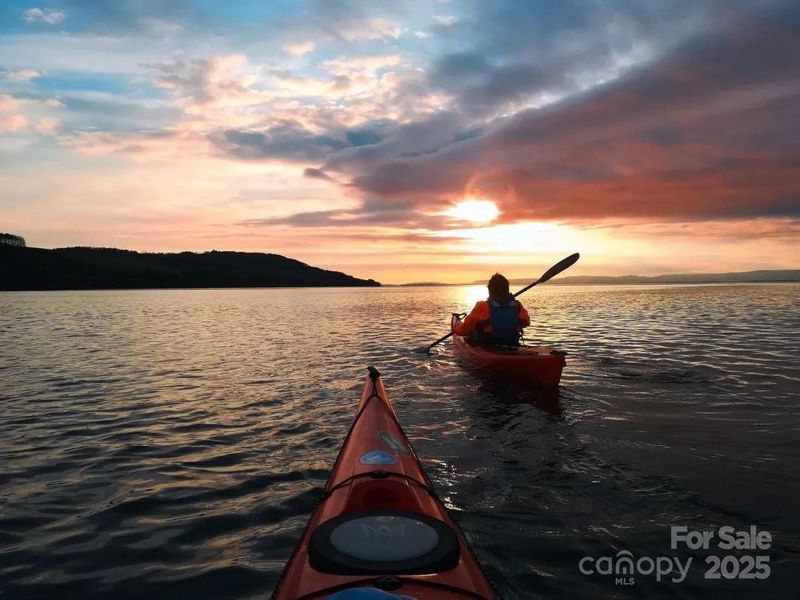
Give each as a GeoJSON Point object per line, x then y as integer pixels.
{"type": "Point", "coordinates": [763, 276]}
{"type": "Point", "coordinates": [110, 268]}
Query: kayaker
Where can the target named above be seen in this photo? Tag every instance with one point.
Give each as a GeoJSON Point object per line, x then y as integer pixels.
{"type": "Point", "coordinates": [497, 320]}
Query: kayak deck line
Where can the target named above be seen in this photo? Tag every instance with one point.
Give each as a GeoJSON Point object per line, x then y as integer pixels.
{"type": "Point", "coordinates": [379, 523]}
{"type": "Point", "coordinates": [374, 377]}
{"type": "Point", "coordinates": [378, 475]}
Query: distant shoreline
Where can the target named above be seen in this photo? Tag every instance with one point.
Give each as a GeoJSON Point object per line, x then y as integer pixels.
{"type": "Point", "coordinates": [761, 276]}
{"type": "Point", "coordinates": [227, 287]}
{"type": "Point", "coordinates": [569, 284]}
{"type": "Point", "coordinates": [383, 285]}
{"type": "Point", "coordinates": [64, 269]}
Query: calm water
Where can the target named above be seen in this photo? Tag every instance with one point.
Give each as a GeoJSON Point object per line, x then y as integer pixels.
{"type": "Point", "coordinates": [166, 443]}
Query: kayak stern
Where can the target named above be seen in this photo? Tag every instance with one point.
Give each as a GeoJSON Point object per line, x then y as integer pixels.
{"type": "Point", "coordinates": [540, 363]}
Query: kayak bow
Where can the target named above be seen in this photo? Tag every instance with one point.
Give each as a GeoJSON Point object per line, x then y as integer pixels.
{"type": "Point", "coordinates": [540, 363]}
{"type": "Point", "coordinates": [379, 526]}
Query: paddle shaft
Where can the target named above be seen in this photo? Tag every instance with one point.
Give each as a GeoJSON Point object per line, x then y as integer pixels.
{"type": "Point", "coordinates": [557, 268]}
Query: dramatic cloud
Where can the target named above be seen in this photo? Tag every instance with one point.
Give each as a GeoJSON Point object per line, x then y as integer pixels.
{"type": "Point", "coordinates": [600, 125]}
{"type": "Point", "coordinates": [317, 174]}
{"type": "Point", "coordinates": [282, 141]}
{"type": "Point", "coordinates": [711, 129]}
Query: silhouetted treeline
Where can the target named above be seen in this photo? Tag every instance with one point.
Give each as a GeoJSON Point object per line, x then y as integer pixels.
{"type": "Point", "coordinates": [109, 268]}
{"type": "Point", "coordinates": [11, 239]}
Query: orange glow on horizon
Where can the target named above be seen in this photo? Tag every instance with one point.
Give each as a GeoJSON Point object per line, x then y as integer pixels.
{"type": "Point", "coordinates": [516, 238]}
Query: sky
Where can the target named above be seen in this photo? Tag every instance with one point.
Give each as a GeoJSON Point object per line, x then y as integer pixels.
{"type": "Point", "coordinates": [408, 141]}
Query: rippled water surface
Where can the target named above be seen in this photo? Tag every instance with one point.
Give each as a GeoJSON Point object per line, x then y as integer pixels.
{"type": "Point", "coordinates": [172, 443]}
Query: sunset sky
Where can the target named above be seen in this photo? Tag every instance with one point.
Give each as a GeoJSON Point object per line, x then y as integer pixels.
{"type": "Point", "coordinates": [408, 141]}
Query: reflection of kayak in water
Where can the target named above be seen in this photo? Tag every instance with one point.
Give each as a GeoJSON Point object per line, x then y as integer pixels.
{"type": "Point", "coordinates": [539, 363]}
{"type": "Point", "coordinates": [379, 526]}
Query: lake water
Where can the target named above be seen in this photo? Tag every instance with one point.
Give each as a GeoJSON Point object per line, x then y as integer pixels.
{"type": "Point", "coordinates": [172, 443]}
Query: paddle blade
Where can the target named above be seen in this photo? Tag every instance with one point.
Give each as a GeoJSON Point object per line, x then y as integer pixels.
{"type": "Point", "coordinates": [439, 341]}
{"type": "Point", "coordinates": [559, 266]}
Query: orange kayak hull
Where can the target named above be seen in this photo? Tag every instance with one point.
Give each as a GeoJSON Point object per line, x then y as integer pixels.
{"type": "Point", "coordinates": [377, 489]}
{"type": "Point", "coordinates": [540, 364]}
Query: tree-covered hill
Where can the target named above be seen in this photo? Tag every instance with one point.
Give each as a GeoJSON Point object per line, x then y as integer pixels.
{"type": "Point", "coordinates": [110, 268]}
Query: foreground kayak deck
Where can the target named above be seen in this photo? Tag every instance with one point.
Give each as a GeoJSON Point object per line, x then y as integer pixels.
{"type": "Point", "coordinates": [541, 363]}
{"type": "Point", "coordinates": [379, 525]}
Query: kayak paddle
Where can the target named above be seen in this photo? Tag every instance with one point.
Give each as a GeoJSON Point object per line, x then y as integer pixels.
{"type": "Point", "coordinates": [561, 265]}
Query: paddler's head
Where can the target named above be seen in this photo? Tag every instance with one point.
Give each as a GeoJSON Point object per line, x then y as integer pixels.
{"type": "Point", "coordinates": [498, 288]}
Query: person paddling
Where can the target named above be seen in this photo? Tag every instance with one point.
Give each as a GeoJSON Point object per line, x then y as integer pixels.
{"type": "Point", "coordinates": [497, 321]}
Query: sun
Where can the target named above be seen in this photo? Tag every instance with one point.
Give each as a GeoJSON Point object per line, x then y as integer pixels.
{"type": "Point", "coordinates": [475, 211]}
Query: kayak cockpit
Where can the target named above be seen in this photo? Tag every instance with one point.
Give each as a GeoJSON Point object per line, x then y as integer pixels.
{"type": "Point", "coordinates": [383, 541]}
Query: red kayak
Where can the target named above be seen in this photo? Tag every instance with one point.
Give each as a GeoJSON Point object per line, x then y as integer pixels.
{"type": "Point", "coordinates": [380, 531]}
{"type": "Point", "coordinates": [539, 363]}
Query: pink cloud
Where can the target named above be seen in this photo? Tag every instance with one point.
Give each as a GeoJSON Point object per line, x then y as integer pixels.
{"type": "Point", "coordinates": [8, 103]}
{"type": "Point", "coordinates": [13, 122]}
{"type": "Point", "coordinates": [48, 125]}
